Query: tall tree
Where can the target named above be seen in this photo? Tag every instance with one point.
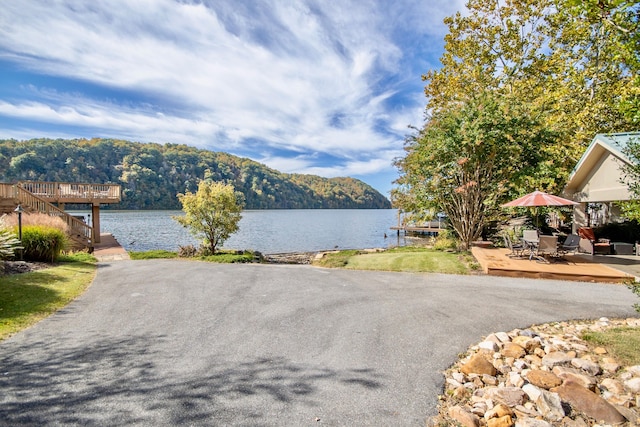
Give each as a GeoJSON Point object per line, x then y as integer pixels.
{"type": "Point", "coordinates": [465, 160]}
{"type": "Point", "coordinates": [561, 75]}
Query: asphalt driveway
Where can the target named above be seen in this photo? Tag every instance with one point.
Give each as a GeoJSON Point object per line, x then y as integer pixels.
{"type": "Point", "coordinates": [187, 343]}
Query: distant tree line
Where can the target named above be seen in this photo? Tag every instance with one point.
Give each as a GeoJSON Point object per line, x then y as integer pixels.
{"type": "Point", "coordinates": [151, 175]}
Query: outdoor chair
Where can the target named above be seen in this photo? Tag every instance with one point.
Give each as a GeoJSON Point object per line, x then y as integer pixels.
{"type": "Point", "coordinates": [530, 241]}
{"type": "Point", "coordinates": [571, 244]}
{"type": "Point", "coordinates": [517, 249]}
{"type": "Point", "coordinates": [547, 245]}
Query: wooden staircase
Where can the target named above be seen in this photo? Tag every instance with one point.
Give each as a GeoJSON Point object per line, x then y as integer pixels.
{"type": "Point", "coordinates": [12, 195]}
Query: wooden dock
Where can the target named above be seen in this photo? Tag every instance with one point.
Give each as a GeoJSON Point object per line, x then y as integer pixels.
{"type": "Point", "coordinates": [427, 230]}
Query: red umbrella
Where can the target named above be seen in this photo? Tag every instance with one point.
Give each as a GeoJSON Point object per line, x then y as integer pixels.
{"type": "Point", "coordinates": [538, 198]}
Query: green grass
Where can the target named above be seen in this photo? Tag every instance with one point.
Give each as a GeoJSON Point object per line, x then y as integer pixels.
{"type": "Point", "coordinates": [411, 259]}
{"type": "Point", "coordinates": [622, 343]}
{"type": "Point", "coordinates": [29, 297]}
{"type": "Point", "coordinates": [153, 254]}
{"type": "Point", "coordinates": [226, 257]}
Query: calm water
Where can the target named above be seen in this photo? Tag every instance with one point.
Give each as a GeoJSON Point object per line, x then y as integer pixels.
{"type": "Point", "coordinates": [267, 231]}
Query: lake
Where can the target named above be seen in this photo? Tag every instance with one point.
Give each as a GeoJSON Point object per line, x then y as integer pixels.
{"type": "Point", "coordinates": [267, 231]}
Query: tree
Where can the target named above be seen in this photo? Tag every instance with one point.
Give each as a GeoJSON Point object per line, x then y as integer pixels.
{"type": "Point", "coordinates": [212, 213]}
{"type": "Point", "coordinates": [557, 81]}
{"type": "Point", "coordinates": [464, 161]}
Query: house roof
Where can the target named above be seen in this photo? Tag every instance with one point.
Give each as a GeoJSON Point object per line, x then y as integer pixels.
{"type": "Point", "coordinates": [611, 143]}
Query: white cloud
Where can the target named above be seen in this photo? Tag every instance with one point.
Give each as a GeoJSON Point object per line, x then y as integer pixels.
{"type": "Point", "coordinates": [304, 76]}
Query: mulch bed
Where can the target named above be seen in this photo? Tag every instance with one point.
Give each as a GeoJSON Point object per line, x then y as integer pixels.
{"type": "Point", "coordinates": [17, 267]}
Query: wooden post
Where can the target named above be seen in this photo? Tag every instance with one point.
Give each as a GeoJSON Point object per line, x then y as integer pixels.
{"type": "Point", "coordinates": [95, 223]}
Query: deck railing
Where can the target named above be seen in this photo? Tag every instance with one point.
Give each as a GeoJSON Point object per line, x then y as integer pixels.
{"type": "Point", "coordinates": [61, 191]}
{"type": "Point", "coordinates": [77, 227]}
{"type": "Point", "coordinates": [7, 191]}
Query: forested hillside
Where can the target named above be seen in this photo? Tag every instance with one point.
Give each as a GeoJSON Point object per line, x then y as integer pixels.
{"type": "Point", "coordinates": [152, 174]}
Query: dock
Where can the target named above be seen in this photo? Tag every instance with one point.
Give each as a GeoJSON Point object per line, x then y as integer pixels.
{"type": "Point", "coordinates": [109, 249]}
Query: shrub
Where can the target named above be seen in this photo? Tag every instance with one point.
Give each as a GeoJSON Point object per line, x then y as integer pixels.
{"type": "Point", "coordinates": [445, 241]}
{"type": "Point", "coordinates": [8, 245]}
{"type": "Point", "coordinates": [188, 251]}
{"type": "Point", "coordinates": [37, 219]}
{"type": "Point", "coordinates": [43, 243]}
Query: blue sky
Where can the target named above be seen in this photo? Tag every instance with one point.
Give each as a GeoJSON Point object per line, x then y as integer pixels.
{"type": "Point", "coordinates": [326, 87]}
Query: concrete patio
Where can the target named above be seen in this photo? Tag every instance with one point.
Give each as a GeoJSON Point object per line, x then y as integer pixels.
{"type": "Point", "coordinates": [579, 267]}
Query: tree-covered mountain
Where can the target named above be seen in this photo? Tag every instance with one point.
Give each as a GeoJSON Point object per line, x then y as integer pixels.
{"type": "Point", "coordinates": [152, 175]}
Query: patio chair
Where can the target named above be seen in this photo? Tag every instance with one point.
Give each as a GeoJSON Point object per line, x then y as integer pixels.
{"type": "Point", "coordinates": [547, 245]}
{"type": "Point", "coordinates": [517, 249]}
{"type": "Point", "coordinates": [571, 244]}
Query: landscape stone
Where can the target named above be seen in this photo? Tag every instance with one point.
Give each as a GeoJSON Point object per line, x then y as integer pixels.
{"type": "Point", "coordinates": [514, 350]}
{"type": "Point", "coordinates": [489, 345]}
{"type": "Point", "coordinates": [633, 385]}
{"type": "Point", "coordinates": [503, 337]}
{"type": "Point", "coordinates": [464, 417]}
{"type": "Point", "coordinates": [588, 402]}
{"type": "Point", "coordinates": [510, 396]}
{"type": "Point", "coordinates": [478, 364]}
{"type": "Point", "coordinates": [500, 410]}
{"type": "Point", "coordinates": [591, 368]}
{"type": "Point", "coordinates": [504, 421]}
{"type": "Point", "coordinates": [550, 406]}
{"type": "Point", "coordinates": [532, 392]}
{"type": "Point", "coordinates": [555, 358]}
{"type": "Point", "coordinates": [612, 385]}
{"type": "Point", "coordinates": [480, 397]}
{"type": "Point", "coordinates": [543, 379]}
{"type": "Point", "coordinates": [532, 422]}
{"type": "Point", "coordinates": [575, 375]}
{"type": "Point", "coordinates": [600, 350]}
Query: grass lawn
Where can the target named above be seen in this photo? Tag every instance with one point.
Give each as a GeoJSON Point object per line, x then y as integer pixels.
{"type": "Point", "coordinates": [29, 297]}
{"type": "Point", "coordinates": [222, 256]}
{"type": "Point", "coordinates": [622, 343]}
{"type": "Point", "coordinates": [410, 259]}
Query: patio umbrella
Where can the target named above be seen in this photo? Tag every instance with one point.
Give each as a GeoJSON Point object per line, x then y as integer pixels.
{"type": "Point", "coordinates": [539, 198]}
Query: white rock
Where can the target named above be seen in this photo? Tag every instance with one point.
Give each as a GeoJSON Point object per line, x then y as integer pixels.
{"type": "Point", "coordinates": [635, 370]}
{"type": "Point", "coordinates": [489, 345]}
{"type": "Point", "coordinates": [520, 365]}
{"type": "Point", "coordinates": [458, 376]}
{"type": "Point", "coordinates": [515, 379]}
{"type": "Point", "coordinates": [550, 406]}
{"type": "Point", "coordinates": [633, 385]}
{"type": "Point", "coordinates": [532, 391]}
{"type": "Point", "coordinates": [503, 337]}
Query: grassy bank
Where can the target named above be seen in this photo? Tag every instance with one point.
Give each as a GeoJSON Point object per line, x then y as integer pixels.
{"type": "Point", "coordinates": [222, 256]}
{"type": "Point", "coordinates": [408, 259]}
{"type": "Point", "coordinates": [27, 298]}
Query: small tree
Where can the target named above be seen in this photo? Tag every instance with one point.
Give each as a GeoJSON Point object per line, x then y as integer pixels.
{"type": "Point", "coordinates": [212, 213]}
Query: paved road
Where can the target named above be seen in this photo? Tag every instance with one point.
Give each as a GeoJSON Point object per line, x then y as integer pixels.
{"type": "Point", "coordinates": [187, 343]}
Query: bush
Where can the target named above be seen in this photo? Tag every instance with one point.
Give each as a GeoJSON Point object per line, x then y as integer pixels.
{"type": "Point", "coordinates": [445, 241]}
{"type": "Point", "coordinates": [188, 251]}
{"type": "Point", "coordinates": [43, 243]}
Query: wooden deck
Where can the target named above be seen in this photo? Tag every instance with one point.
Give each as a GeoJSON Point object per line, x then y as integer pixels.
{"type": "Point", "coordinates": [494, 261]}
{"type": "Point", "coordinates": [41, 197]}
{"type": "Point", "coordinates": [66, 192]}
